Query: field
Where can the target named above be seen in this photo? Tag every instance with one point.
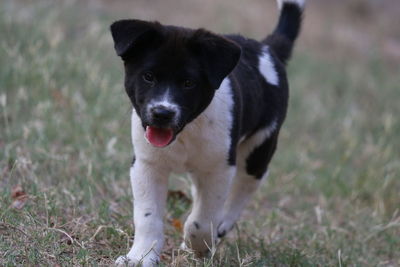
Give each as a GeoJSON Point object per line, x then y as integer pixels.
{"type": "Point", "coordinates": [333, 194]}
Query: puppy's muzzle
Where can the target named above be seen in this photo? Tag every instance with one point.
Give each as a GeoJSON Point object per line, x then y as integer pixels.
{"type": "Point", "coordinates": [162, 116]}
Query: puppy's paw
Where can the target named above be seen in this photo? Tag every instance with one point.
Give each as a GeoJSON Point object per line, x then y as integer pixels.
{"type": "Point", "coordinates": [123, 261]}
{"type": "Point", "coordinates": [224, 227]}
{"type": "Point", "coordinates": [200, 254]}
{"type": "Point", "coordinates": [184, 247]}
{"type": "Point", "coordinates": [126, 261]}
{"type": "Point", "coordinates": [199, 236]}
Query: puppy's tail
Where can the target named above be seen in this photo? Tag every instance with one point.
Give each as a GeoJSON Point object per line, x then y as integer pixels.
{"type": "Point", "coordinates": [281, 41]}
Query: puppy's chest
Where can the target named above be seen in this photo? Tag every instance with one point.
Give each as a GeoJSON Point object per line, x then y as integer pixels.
{"type": "Point", "coordinates": [200, 146]}
{"type": "Point", "coordinates": [204, 143]}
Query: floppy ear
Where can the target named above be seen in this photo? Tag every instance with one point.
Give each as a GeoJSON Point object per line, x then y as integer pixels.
{"type": "Point", "coordinates": [218, 55]}
{"type": "Point", "coordinates": [131, 36]}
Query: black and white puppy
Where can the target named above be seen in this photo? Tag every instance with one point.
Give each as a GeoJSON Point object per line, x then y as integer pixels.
{"type": "Point", "coordinates": [207, 104]}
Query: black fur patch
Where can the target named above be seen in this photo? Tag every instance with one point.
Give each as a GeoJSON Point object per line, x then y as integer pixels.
{"type": "Point", "coordinates": [258, 160]}
{"type": "Point", "coordinates": [286, 31]}
{"type": "Point", "coordinates": [256, 102]}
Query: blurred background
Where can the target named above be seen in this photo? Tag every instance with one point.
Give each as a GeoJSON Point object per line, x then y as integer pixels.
{"type": "Point", "coordinates": [333, 195]}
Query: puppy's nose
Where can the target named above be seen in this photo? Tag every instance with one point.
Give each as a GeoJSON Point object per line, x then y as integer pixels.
{"type": "Point", "coordinates": [162, 114]}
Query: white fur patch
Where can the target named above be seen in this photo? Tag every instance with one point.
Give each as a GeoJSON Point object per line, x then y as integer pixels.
{"type": "Point", "coordinates": [267, 68]}
{"type": "Point", "coordinates": [165, 101]}
{"type": "Point", "coordinates": [300, 3]}
{"type": "Point", "coordinates": [208, 136]}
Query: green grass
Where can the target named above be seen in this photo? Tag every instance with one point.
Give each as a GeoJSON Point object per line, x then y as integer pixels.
{"type": "Point", "coordinates": [332, 199]}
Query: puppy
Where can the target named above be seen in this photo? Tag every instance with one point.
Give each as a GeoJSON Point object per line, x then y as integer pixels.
{"type": "Point", "coordinates": [205, 104]}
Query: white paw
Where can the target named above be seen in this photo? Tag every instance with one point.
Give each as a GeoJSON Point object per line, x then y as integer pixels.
{"type": "Point", "coordinates": [184, 247]}
{"type": "Point", "coordinates": [199, 236]}
{"type": "Point", "coordinates": [224, 227]}
{"type": "Point", "coordinates": [126, 261]}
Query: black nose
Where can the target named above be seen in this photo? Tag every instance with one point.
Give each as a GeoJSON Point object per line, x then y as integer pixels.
{"type": "Point", "coordinates": [162, 114]}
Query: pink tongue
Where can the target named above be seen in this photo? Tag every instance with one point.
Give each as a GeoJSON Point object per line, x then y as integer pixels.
{"type": "Point", "coordinates": [159, 137]}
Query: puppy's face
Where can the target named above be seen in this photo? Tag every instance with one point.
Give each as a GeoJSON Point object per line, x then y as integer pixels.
{"type": "Point", "coordinates": [171, 73]}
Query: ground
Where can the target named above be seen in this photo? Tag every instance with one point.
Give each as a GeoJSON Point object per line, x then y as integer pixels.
{"type": "Point", "coordinates": [332, 197]}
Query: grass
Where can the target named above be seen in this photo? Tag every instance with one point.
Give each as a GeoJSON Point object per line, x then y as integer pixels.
{"type": "Point", "coordinates": [332, 198]}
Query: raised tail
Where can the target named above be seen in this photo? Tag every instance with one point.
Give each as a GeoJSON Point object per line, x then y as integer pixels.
{"type": "Point", "coordinates": [282, 40]}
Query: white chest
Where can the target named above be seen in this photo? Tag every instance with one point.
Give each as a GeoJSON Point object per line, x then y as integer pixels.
{"type": "Point", "coordinates": [202, 144]}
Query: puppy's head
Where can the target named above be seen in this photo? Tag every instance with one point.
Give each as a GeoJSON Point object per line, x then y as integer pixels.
{"type": "Point", "coordinates": [171, 73]}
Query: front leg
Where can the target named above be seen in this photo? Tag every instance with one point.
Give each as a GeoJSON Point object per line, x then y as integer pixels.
{"type": "Point", "coordinates": [210, 190]}
{"type": "Point", "coordinates": [149, 186]}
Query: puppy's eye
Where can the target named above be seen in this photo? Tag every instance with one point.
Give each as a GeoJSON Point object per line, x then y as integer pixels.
{"type": "Point", "coordinates": [148, 77]}
{"type": "Point", "coordinates": [188, 84]}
